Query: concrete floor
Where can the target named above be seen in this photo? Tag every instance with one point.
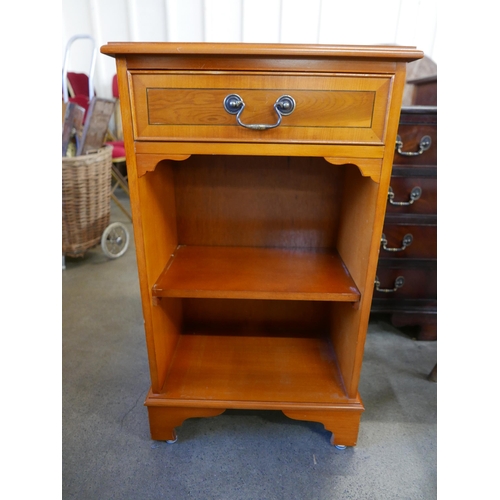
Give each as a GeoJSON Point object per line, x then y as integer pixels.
{"type": "Point", "coordinates": [108, 453]}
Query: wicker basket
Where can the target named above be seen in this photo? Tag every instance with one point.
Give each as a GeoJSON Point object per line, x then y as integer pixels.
{"type": "Point", "coordinates": [86, 195]}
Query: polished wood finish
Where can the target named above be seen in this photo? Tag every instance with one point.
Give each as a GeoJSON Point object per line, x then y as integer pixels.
{"type": "Point", "coordinates": [255, 273]}
{"type": "Point", "coordinates": [187, 106]}
{"type": "Point", "coordinates": [423, 246]}
{"type": "Point", "coordinates": [414, 305]}
{"type": "Point", "coordinates": [257, 250]}
{"type": "Point", "coordinates": [163, 421]}
{"type": "Point", "coordinates": [238, 51]}
{"type": "Point", "coordinates": [403, 181]}
{"type": "Point", "coordinates": [253, 370]}
{"type": "Point", "coordinates": [425, 91]}
{"type": "Point", "coordinates": [343, 423]}
{"type": "Point", "coordinates": [420, 278]}
{"type": "Point", "coordinates": [282, 202]}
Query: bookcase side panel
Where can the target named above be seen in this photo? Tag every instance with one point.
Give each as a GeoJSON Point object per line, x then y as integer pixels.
{"type": "Point", "coordinates": [354, 244]}
{"type": "Point", "coordinates": [159, 232]}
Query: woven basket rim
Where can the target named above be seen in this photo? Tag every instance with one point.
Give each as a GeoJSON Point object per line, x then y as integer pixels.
{"type": "Point", "coordinates": [105, 150]}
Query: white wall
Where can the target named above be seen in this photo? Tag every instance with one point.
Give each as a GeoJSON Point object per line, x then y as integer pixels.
{"type": "Point", "coordinates": [402, 22]}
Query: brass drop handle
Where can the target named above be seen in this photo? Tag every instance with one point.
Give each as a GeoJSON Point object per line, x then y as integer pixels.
{"type": "Point", "coordinates": [424, 145]}
{"type": "Point", "coordinates": [415, 194]}
{"type": "Point", "coordinates": [407, 241]}
{"type": "Point", "coordinates": [235, 105]}
{"type": "Point", "coordinates": [398, 283]}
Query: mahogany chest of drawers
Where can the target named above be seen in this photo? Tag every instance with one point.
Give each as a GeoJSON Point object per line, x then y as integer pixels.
{"type": "Point", "coordinates": [406, 285]}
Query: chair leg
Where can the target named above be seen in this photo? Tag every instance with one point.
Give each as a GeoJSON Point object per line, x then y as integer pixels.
{"type": "Point", "coordinates": [122, 182]}
{"type": "Point", "coordinates": [120, 206]}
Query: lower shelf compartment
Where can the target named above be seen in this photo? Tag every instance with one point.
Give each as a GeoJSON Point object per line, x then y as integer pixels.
{"type": "Point", "coordinates": [252, 371]}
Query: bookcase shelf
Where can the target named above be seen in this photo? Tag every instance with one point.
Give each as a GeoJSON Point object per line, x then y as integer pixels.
{"type": "Point", "coordinates": [256, 273]}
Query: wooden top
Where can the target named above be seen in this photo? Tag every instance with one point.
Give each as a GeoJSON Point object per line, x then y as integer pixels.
{"type": "Point", "coordinates": [385, 52]}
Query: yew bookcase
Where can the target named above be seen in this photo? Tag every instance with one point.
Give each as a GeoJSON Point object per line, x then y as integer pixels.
{"type": "Point", "coordinates": [258, 180]}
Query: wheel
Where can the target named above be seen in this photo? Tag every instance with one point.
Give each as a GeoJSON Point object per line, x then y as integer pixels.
{"type": "Point", "coordinates": [340, 446]}
{"type": "Point", "coordinates": [115, 240]}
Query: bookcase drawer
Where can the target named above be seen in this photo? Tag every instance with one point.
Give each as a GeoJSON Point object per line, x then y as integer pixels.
{"type": "Point", "coordinates": [318, 108]}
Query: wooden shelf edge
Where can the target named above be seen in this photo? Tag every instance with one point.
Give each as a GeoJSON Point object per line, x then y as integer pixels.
{"type": "Point", "coordinates": [209, 294]}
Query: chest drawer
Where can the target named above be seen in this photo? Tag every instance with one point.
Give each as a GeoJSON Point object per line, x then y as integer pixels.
{"type": "Point", "coordinates": [406, 280]}
{"type": "Point", "coordinates": [412, 195]}
{"type": "Point", "coordinates": [324, 108]}
{"type": "Point", "coordinates": [417, 137]}
{"type": "Point", "coordinates": [409, 241]}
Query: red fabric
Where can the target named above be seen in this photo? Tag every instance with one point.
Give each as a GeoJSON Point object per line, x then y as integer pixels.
{"type": "Point", "coordinates": [114, 86]}
{"type": "Point", "coordinates": [81, 100]}
{"type": "Point", "coordinates": [79, 83]}
{"type": "Point", "coordinates": [118, 149]}
{"type": "Point", "coordinates": [78, 90]}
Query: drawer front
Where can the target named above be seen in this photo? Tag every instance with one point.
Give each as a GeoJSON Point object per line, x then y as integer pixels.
{"type": "Point", "coordinates": [403, 199]}
{"type": "Point", "coordinates": [329, 108]}
{"type": "Point", "coordinates": [409, 241]}
{"type": "Point", "coordinates": [414, 141]}
{"type": "Point", "coordinates": [419, 282]}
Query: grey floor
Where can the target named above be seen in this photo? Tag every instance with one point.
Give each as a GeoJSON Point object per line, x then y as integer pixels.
{"type": "Point", "coordinates": [108, 453]}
